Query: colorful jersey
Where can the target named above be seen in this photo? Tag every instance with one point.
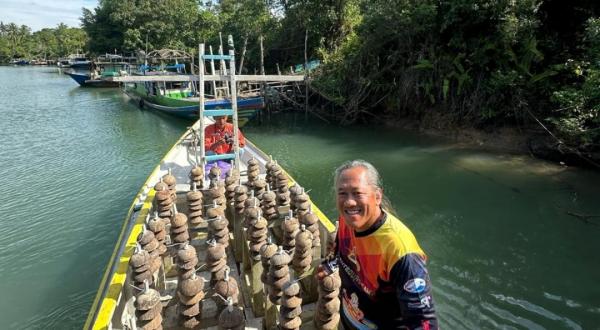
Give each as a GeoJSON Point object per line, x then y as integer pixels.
{"type": "Point", "coordinates": [385, 284]}
{"type": "Point", "coordinates": [212, 134]}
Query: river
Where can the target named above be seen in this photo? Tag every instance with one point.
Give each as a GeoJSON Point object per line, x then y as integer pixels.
{"type": "Point", "coordinates": [504, 248]}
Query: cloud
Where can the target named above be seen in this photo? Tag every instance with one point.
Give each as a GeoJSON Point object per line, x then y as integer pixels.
{"type": "Point", "coordinates": [39, 14]}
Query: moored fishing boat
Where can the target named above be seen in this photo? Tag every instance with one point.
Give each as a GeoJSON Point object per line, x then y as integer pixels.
{"type": "Point", "coordinates": [98, 73]}
{"type": "Point", "coordinates": [177, 99]}
{"type": "Point", "coordinates": [160, 294]}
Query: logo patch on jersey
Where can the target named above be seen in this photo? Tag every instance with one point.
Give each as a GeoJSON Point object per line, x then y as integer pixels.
{"type": "Point", "coordinates": [416, 285]}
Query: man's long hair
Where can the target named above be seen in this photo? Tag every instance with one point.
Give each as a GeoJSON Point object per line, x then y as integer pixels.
{"type": "Point", "coordinates": [373, 178]}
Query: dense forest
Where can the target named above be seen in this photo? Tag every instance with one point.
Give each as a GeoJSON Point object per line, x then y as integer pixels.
{"type": "Point", "coordinates": [49, 43]}
{"type": "Point", "coordinates": [460, 63]}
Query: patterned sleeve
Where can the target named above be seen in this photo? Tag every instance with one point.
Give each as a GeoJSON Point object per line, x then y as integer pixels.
{"type": "Point", "coordinates": [413, 290]}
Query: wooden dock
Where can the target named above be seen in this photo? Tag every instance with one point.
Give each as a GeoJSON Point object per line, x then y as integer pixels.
{"type": "Point", "coordinates": [238, 78]}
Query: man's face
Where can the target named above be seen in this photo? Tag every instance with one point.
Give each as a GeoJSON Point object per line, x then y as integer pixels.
{"type": "Point", "coordinates": [357, 201]}
{"type": "Point", "coordinates": [220, 121]}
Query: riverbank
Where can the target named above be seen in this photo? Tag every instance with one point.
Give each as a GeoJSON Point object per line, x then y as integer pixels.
{"type": "Point", "coordinates": [532, 141]}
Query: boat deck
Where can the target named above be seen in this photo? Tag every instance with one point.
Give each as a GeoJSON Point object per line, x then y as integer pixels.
{"type": "Point", "coordinates": [116, 297]}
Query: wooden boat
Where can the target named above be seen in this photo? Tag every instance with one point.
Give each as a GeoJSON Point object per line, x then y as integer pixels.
{"type": "Point", "coordinates": [178, 99]}
{"type": "Point", "coordinates": [98, 74]}
{"type": "Point", "coordinates": [115, 302]}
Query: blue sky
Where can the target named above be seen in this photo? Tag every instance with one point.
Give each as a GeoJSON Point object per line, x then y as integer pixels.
{"type": "Point", "coordinates": [39, 14]}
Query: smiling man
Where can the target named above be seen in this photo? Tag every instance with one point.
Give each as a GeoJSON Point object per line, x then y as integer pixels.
{"type": "Point", "coordinates": [385, 284]}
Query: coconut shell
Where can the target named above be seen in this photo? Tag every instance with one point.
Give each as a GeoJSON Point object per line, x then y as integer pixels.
{"type": "Point", "coordinates": [328, 294]}
{"type": "Point", "coordinates": [291, 289]}
{"type": "Point", "coordinates": [141, 268]}
{"type": "Point", "coordinates": [181, 238]}
{"type": "Point", "coordinates": [280, 259]}
{"type": "Point", "coordinates": [332, 324]}
{"type": "Point", "coordinates": [191, 286]}
{"type": "Point", "coordinates": [268, 250]}
{"type": "Point", "coordinates": [140, 277]}
{"type": "Point", "coordinates": [197, 171]}
{"type": "Point", "coordinates": [179, 229]}
{"type": "Point", "coordinates": [190, 322]}
{"type": "Point", "coordinates": [186, 254]}
{"type": "Point", "coordinates": [179, 220]}
{"type": "Point", "coordinates": [290, 323]}
{"type": "Point", "coordinates": [163, 195]}
{"type": "Point", "coordinates": [310, 218]}
{"type": "Point", "coordinates": [147, 300]}
{"type": "Point", "coordinates": [331, 282]}
{"type": "Point", "coordinates": [218, 223]}
{"type": "Point", "coordinates": [227, 288]}
{"type": "Point", "coordinates": [194, 195]}
{"type": "Point", "coordinates": [330, 306]}
{"type": "Point", "coordinates": [290, 313]}
{"type": "Point", "coordinates": [156, 225]}
{"type": "Point", "coordinates": [150, 325]}
{"type": "Point", "coordinates": [189, 310]}
{"type": "Point", "coordinates": [161, 235]}
{"type": "Point", "coordinates": [152, 245]}
{"type": "Point", "coordinates": [215, 252]}
{"type": "Point", "coordinates": [255, 246]}
{"type": "Point", "coordinates": [164, 214]}
{"type": "Point", "coordinates": [258, 233]}
{"type": "Point", "coordinates": [145, 237]}
{"type": "Point", "coordinates": [279, 283]}
{"type": "Point", "coordinates": [279, 271]}
{"type": "Point", "coordinates": [214, 212]}
{"type": "Point", "coordinates": [231, 319]}
{"type": "Point", "coordinates": [149, 314]}
{"type": "Point", "coordinates": [260, 223]}
{"type": "Point", "coordinates": [291, 302]}
{"type": "Point", "coordinates": [217, 265]}
{"type": "Point", "coordinates": [195, 212]}
{"type": "Point", "coordinates": [169, 179]}
{"type": "Point", "coordinates": [190, 300]}
{"type": "Point", "coordinates": [140, 258]}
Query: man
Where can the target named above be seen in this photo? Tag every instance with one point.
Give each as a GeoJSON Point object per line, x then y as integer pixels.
{"type": "Point", "coordinates": [218, 139]}
{"type": "Point", "coordinates": [385, 284]}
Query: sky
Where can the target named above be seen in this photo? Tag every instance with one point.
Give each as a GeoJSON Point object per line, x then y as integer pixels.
{"type": "Point", "coordinates": [39, 14]}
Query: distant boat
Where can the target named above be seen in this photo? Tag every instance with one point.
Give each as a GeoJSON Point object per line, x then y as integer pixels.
{"type": "Point", "coordinates": [20, 62]}
{"type": "Point", "coordinates": [99, 71]}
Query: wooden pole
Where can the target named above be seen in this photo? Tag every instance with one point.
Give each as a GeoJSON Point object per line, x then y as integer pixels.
{"type": "Point", "coordinates": [201, 97]}
{"type": "Point", "coordinates": [243, 54]}
{"type": "Point", "coordinates": [307, 73]}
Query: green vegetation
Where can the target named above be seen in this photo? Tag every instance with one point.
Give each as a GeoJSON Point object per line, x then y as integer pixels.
{"type": "Point", "coordinates": [18, 42]}
{"type": "Point", "coordinates": [477, 63]}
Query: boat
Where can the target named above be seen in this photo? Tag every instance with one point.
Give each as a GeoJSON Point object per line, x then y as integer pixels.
{"type": "Point", "coordinates": [78, 61]}
{"type": "Point", "coordinates": [122, 302]}
{"type": "Point", "coordinates": [178, 99]}
{"type": "Point", "coordinates": [98, 74]}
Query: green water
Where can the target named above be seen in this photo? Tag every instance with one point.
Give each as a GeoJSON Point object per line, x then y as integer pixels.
{"type": "Point", "coordinates": [503, 252]}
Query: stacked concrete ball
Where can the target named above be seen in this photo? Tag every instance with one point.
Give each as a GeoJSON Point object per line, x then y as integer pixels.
{"type": "Point", "coordinates": [216, 260]}
{"type": "Point", "coordinates": [231, 318]}
{"type": "Point", "coordinates": [197, 176]}
{"type": "Point", "coordinates": [225, 288]}
{"type": "Point", "coordinates": [187, 260]}
{"type": "Point", "coordinates": [179, 228]}
{"type": "Point", "coordinates": [148, 310]}
{"type": "Point", "coordinates": [163, 200]}
{"type": "Point", "coordinates": [291, 307]}
{"type": "Point", "coordinates": [257, 232]}
{"type": "Point", "coordinates": [327, 314]}
{"type": "Point", "coordinates": [158, 227]}
{"type": "Point", "coordinates": [148, 242]}
{"type": "Point", "coordinates": [171, 183]}
{"type": "Point", "coordinates": [311, 221]}
{"type": "Point", "coordinates": [218, 229]}
{"type": "Point", "coordinates": [195, 201]}
{"type": "Point", "coordinates": [290, 227]}
{"type": "Point", "coordinates": [190, 293]}
{"type": "Point", "coordinates": [303, 252]}
{"type": "Point", "coordinates": [269, 206]}
{"type": "Point", "coordinates": [279, 274]}
{"type": "Point", "coordinates": [140, 267]}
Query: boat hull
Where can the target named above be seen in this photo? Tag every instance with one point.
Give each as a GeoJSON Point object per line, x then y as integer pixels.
{"type": "Point", "coordinates": [182, 107]}
{"type": "Point", "coordinates": [84, 80]}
